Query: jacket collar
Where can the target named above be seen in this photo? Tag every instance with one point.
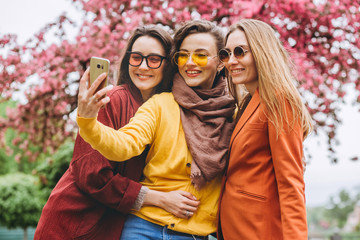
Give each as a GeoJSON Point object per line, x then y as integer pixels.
{"type": "Point", "coordinates": [249, 111]}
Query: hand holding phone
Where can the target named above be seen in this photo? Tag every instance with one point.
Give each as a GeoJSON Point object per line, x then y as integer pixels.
{"type": "Point", "coordinates": [97, 67]}
{"type": "Point", "coordinates": [89, 101]}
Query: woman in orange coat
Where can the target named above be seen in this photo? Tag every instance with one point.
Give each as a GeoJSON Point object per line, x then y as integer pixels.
{"type": "Point", "coordinates": [263, 189]}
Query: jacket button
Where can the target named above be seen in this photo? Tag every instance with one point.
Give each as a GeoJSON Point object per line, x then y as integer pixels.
{"type": "Point", "coordinates": [172, 225]}
{"type": "Point", "coordinates": [188, 164]}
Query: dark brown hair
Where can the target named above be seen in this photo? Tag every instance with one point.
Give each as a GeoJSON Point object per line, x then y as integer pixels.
{"type": "Point", "coordinates": [165, 40]}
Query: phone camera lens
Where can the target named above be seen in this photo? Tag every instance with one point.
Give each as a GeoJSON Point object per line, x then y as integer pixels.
{"type": "Point", "coordinates": [98, 66]}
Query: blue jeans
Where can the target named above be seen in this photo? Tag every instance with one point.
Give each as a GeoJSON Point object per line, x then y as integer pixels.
{"type": "Point", "coordinates": [136, 228]}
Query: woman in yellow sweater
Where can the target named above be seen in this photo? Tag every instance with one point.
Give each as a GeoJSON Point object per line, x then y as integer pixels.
{"type": "Point", "coordinates": [188, 133]}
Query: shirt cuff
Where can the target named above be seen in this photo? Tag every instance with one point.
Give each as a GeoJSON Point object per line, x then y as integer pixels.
{"type": "Point", "coordinates": [85, 122]}
{"type": "Point", "coordinates": [140, 198]}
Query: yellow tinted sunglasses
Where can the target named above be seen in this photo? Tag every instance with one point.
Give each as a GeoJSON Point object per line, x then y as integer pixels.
{"type": "Point", "coordinates": [200, 59]}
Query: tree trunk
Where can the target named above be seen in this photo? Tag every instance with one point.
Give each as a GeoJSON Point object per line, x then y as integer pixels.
{"type": "Point", "coordinates": [25, 234]}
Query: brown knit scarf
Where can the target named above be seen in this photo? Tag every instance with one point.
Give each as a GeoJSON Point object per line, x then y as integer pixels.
{"type": "Point", "coordinates": [206, 116]}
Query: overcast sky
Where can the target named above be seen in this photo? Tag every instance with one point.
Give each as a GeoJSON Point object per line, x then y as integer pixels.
{"type": "Point", "coordinates": [323, 179]}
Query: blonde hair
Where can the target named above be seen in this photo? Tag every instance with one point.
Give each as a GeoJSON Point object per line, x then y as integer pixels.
{"type": "Point", "coordinates": [276, 81]}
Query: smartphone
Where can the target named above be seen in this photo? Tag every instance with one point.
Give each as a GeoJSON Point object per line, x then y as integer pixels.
{"type": "Point", "coordinates": [97, 67]}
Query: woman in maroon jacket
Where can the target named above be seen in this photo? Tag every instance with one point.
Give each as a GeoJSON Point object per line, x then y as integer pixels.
{"type": "Point", "coordinates": [94, 195]}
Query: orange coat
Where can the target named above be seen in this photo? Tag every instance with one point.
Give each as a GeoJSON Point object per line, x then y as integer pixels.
{"type": "Point", "coordinates": [263, 190]}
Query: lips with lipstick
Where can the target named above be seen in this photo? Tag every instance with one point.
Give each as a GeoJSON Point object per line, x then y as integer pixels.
{"type": "Point", "coordinates": [143, 76]}
{"type": "Point", "coordinates": [237, 70]}
{"type": "Point", "coordinates": [193, 73]}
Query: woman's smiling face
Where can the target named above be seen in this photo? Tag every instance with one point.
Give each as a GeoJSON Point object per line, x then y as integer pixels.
{"type": "Point", "coordinates": [143, 77]}
{"type": "Point", "coordinates": [242, 70]}
{"type": "Point", "coordinates": [194, 75]}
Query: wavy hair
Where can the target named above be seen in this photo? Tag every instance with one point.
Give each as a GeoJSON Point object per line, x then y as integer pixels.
{"type": "Point", "coordinates": [275, 76]}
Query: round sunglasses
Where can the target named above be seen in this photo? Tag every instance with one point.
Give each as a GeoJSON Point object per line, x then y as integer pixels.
{"type": "Point", "coordinates": [200, 59]}
{"type": "Point", "coordinates": [153, 61]}
{"type": "Point", "coordinates": [224, 54]}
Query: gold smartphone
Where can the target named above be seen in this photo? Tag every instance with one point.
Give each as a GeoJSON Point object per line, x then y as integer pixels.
{"type": "Point", "coordinates": [97, 67]}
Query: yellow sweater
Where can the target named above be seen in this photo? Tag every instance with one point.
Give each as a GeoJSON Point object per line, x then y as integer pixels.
{"type": "Point", "coordinates": [157, 123]}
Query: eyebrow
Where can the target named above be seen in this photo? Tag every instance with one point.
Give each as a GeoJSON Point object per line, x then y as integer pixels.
{"type": "Point", "coordinates": [196, 50]}
{"type": "Point", "coordinates": [152, 53]}
{"type": "Point", "coordinates": [243, 46]}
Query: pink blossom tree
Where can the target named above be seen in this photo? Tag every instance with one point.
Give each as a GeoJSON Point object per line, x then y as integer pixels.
{"type": "Point", "coordinates": [321, 35]}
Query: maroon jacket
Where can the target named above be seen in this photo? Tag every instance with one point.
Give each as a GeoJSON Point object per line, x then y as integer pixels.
{"type": "Point", "coordinates": [92, 198]}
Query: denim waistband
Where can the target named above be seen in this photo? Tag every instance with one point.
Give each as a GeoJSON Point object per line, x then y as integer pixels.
{"type": "Point", "coordinates": [196, 237]}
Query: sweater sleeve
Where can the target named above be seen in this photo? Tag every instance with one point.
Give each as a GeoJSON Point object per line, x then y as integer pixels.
{"type": "Point", "coordinates": [128, 141]}
{"type": "Point", "coordinates": [95, 175]}
{"type": "Point", "coordinates": [287, 152]}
